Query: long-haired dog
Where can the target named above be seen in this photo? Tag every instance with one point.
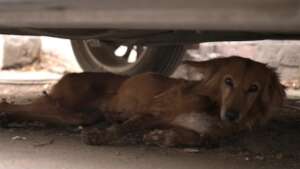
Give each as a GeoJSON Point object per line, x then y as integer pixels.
{"type": "Point", "coordinates": [235, 94]}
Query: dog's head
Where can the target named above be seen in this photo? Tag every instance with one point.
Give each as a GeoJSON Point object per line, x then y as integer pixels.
{"type": "Point", "coordinates": [246, 91]}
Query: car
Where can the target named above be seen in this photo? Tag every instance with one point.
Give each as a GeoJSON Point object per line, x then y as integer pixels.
{"type": "Point", "coordinates": [134, 36]}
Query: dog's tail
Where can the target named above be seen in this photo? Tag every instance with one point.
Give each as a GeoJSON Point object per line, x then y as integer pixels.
{"type": "Point", "coordinates": [41, 109]}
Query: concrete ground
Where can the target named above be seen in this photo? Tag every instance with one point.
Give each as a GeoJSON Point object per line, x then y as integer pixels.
{"type": "Point", "coordinates": [35, 146]}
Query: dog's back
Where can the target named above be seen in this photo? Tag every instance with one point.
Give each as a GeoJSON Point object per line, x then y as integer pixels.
{"type": "Point", "coordinates": [79, 89]}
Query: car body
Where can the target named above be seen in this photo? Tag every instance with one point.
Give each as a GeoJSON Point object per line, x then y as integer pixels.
{"type": "Point", "coordinates": [155, 24]}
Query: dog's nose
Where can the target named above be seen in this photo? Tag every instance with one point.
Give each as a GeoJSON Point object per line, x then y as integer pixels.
{"type": "Point", "coordinates": [232, 115]}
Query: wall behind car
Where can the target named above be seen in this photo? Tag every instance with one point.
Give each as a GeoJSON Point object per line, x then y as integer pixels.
{"type": "Point", "coordinates": [283, 55]}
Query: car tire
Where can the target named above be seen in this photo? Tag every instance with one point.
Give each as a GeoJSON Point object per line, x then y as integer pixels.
{"type": "Point", "coordinates": [98, 56]}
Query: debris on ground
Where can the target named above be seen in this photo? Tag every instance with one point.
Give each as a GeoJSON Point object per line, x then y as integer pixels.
{"type": "Point", "coordinates": [279, 156]}
{"type": "Point", "coordinates": [51, 141]}
{"type": "Point", "coordinates": [259, 157]}
{"type": "Point", "coordinates": [18, 138]}
{"type": "Point", "coordinates": [247, 158]}
{"type": "Point", "coordinates": [191, 150]}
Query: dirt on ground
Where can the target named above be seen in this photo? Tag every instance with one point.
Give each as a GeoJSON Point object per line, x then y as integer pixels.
{"type": "Point", "coordinates": [35, 145]}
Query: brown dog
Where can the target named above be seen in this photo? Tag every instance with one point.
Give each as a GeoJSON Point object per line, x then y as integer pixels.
{"type": "Point", "coordinates": [236, 93]}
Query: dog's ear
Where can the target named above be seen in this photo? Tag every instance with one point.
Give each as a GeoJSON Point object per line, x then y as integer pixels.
{"type": "Point", "coordinates": [273, 94]}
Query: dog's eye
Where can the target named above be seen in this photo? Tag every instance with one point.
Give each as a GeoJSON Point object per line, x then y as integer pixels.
{"type": "Point", "coordinates": [253, 88]}
{"type": "Point", "coordinates": [228, 81]}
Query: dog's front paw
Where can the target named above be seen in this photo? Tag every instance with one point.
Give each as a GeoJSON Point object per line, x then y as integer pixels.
{"type": "Point", "coordinates": [162, 138]}
{"type": "Point", "coordinates": [94, 136]}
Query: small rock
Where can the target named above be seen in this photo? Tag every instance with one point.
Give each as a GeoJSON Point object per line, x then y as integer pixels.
{"type": "Point", "coordinates": [191, 150]}
{"type": "Point", "coordinates": [79, 128]}
{"type": "Point", "coordinates": [279, 156]}
{"type": "Point", "coordinates": [259, 157]}
{"type": "Point", "coordinates": [44, 144]}
{"type": "Point", "coordinates": [247, 158]}
{"type": "Point", "coordinates": [18, 138]}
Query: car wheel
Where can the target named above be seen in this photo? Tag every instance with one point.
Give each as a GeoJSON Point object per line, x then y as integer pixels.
{"type": "Point", "coordinates": [97, 56]}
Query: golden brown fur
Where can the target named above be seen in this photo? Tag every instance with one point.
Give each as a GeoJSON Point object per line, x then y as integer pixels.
{"type": "Point", "coordinates": [236, 93]}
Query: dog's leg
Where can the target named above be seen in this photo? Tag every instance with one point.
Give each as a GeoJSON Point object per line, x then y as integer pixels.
{"type": "Point", "coordinates": [180, 136]}
{"type": "Point", "coordinates": [172, 137]}
{"type": "Point", "coordinates": [47, 110]}
{"type": "Point", "coordinates": [137, 124]}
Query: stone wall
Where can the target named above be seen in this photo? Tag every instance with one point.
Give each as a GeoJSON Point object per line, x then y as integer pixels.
{"type": "Point", "coordinates": [19, 50]}
{"type": "Point", "coordinates": [284, 55]}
